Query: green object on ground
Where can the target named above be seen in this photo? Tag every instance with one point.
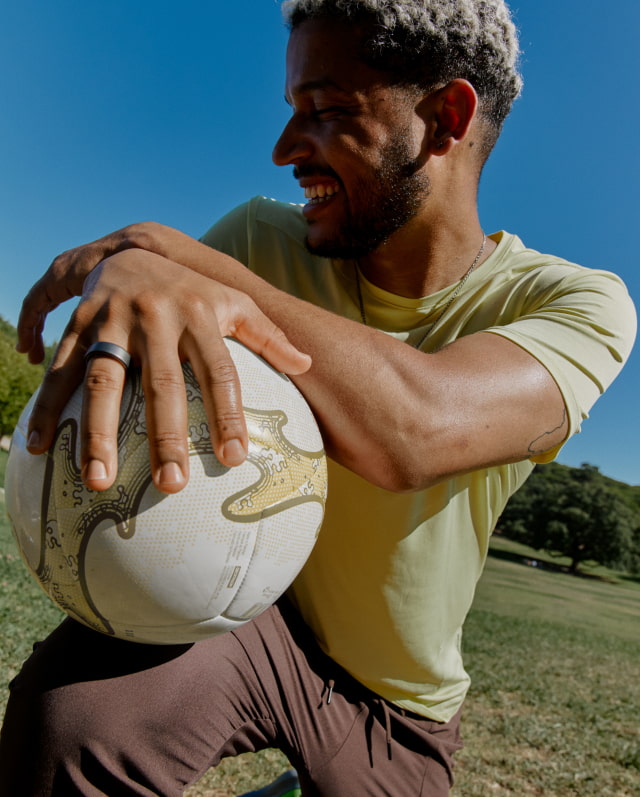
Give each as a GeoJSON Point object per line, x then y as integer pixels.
{"type": "Point", "coordinates": [287, 785]}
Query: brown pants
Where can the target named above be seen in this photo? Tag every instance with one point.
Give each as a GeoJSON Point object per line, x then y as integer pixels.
{"type": "Point", "coordinates": [90, 715]}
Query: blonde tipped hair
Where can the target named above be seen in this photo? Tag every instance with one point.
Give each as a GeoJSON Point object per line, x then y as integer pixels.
{"type": "Point", "coordinates": [427, 43]}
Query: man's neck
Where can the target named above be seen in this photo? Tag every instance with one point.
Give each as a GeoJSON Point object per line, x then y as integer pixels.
{"type": "Point", "coordinates": [421, 259]}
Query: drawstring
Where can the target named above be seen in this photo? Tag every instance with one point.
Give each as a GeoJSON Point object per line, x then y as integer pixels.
{"type": "Point", "coordinates": [328, 690]}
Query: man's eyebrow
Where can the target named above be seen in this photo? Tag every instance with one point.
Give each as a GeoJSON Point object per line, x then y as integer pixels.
{"type": "Point", "coordinates": [315, 85]}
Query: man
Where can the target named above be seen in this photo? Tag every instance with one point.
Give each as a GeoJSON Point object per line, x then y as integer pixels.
{"type": "Point", "coordinates": [441, 363]}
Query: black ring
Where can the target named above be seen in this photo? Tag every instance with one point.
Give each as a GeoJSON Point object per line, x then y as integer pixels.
{"type": "Point", "coordinates": [112, 350]}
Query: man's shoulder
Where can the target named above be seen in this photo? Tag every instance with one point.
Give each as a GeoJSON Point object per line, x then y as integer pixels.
{"type": "Point", "coordinates": [259, 222]}
{"type": "Point", "coordinates": [274, 211]}
{"type": "Point", "coordinates": [523, 285]}
{"type": "Point", "coordinates": [519, 261]}
{"type": "Point", "coordinates": [282, 217]}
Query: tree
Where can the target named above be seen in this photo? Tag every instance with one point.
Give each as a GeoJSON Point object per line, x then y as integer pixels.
{"type": "Point", "coordinates": [18, 379]}
{"type": "Point", "coordinates": [574, 512]}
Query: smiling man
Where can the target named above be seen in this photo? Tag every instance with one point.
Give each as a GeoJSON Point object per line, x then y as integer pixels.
{"type": "Point", "coordinates": [442, 363]}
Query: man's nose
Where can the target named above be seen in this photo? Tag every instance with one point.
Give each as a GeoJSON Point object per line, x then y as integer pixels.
{"type": "Point", "coordinates": [293, 146]}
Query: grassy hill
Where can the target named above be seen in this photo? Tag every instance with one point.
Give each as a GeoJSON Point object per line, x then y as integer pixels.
{"type": "Point", "coordinates": [554, 661]}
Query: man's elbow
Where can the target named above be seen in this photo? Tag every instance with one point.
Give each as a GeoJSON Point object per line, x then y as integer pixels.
{"type": "Point", "coordinates": [389, 472]}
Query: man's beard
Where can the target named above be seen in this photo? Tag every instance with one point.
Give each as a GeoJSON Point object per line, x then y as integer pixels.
{"type": "Point", "coordinates": [384, 204]}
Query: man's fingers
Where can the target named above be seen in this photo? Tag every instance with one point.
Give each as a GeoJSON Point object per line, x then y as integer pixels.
{"type": "Point", "coordinates": [31, 323]}
{"type": "Point", "coordinates": [265, 338]}
{"type": "Point", "coordinates": [166, 414]}
{"type": "Point", "coordinates": [64, 374]}
{"type": "Point", "coordinates": [61, 281]}
{"type": "Point", "coordinates": [101, 399]}
{"type": "Point", "coordinates": [217, 376]}
{"type": "Point", "coordinates": [222, 396]}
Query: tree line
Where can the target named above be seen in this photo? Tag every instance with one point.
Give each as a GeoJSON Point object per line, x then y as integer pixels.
{"type": "Point", "coordinates": [577, 513]}
{"type": "Point", "coordinates": [18, 378]}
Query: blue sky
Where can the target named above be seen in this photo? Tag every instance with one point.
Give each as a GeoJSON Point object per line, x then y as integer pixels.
{"type": "Point", "coordinates": [127, 111]}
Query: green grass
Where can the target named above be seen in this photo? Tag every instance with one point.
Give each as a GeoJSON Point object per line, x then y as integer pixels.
{"type": "Point", "coordinates": [26, 614]}
{"type": "Point", "coordinates": [601, 601]}
{"type": "Point", "coordinates": [555, 667]}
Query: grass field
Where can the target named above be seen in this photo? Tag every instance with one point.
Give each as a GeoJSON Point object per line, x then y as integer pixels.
{"type": "Point", "coordinates": [555, 665]}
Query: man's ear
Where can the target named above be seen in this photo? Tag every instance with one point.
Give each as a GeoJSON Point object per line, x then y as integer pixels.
{"type": "Point", "coordinates": [452, 109]}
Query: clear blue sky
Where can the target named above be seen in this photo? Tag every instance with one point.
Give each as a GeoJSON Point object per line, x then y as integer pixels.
{"type": "Point", "coordinates": [128, 110]}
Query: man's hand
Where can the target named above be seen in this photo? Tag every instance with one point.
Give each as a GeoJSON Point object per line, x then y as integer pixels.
{"type": "Point", "coordinates": [163, 314]}
{"type": "Point", "coordinates": [65, 277]}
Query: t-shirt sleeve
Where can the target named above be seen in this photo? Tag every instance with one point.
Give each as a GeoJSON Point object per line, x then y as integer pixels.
{"type": "Point", "coordinates": [582, 332]}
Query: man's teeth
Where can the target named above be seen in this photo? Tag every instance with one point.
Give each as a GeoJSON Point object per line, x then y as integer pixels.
{"type": "Point", "coordinates": [320, 192]}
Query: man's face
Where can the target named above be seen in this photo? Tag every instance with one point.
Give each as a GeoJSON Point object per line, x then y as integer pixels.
{"type": "Point", "coordinates": [353, 140]}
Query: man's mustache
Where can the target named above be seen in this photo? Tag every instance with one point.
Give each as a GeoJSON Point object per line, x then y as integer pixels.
{"type": "Point", "coordinates": [309, 170]}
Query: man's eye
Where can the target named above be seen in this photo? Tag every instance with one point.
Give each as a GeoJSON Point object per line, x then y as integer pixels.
{"type": "Point", "coordinates": [330, 112]}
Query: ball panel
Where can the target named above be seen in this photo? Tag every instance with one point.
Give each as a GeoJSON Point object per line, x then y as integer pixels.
{"type": "Point", "coordinates": [276, 565]}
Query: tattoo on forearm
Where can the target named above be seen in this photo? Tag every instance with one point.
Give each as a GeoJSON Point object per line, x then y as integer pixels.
{"type": "Point", "coordinates": [543, 443]}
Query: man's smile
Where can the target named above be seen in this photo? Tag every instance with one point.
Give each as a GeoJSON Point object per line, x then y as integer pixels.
{"type": "Point", "coordinates": [320, 192]}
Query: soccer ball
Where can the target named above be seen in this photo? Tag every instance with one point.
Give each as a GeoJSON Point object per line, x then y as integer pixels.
{"type": "Point", "coordinates": [138, 564]}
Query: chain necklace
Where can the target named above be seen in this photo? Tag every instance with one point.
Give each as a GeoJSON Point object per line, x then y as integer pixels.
{"type": "Point", "coordinates": [452, 298]}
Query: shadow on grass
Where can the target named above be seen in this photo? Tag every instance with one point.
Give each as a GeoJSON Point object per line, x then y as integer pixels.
{"type": "Point", "coordinates": [629, 577]}
{"type": "Point", "coordinates": [543, 564]}
{"type": "Point", "coordinates": [521, 559]}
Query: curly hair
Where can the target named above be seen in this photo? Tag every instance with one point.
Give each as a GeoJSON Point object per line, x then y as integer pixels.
{"type": "Point", "coordinates": [427, 43]}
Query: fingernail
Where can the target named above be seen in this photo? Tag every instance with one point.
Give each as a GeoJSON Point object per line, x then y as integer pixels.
{"type": "Point", "coordinates": [233, 453]}
{"type": "Point", "coordinates": [95, 471]}
{"type": "Point", "coordinates": [170, 473]}
{"type": "Point", "coordinates": [33, 441]}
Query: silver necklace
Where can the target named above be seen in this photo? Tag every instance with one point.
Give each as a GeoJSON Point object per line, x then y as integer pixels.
{"type": "Point", "coordinates": [453, 296]}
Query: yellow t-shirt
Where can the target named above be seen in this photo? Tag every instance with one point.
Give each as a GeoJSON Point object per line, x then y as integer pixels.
{"type": "Point", "coordinates": [392, 577]}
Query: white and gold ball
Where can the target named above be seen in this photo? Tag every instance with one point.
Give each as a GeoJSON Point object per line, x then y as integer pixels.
{"type": "Point", "coordinates": [166, 569]}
